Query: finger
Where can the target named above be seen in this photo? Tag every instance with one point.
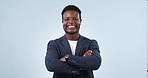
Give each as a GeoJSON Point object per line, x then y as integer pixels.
{"type": "Point", "coordinates": [91, 51]}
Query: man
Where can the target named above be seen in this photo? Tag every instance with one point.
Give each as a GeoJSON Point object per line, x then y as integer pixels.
{"type": "Point", "coordinates": [72, 56]}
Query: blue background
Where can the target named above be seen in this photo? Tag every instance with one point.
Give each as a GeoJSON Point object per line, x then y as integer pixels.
{"type": "Point", "coordinates": [119, 26]}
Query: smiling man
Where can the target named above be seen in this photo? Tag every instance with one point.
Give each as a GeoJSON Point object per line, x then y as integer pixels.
{"type": "Point", "coordinates": [72, 55]}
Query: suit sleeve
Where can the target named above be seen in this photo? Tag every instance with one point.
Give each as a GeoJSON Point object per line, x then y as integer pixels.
{"type": "Point", "coordinates": [53, 63]}
{"type": "Point", "coordinates": [92, 62]}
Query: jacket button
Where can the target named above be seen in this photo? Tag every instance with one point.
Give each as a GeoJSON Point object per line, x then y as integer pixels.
{"type": "Point", "coordinates": [73, 71]}
{"type": "Point", "coordinates": [73, 61]}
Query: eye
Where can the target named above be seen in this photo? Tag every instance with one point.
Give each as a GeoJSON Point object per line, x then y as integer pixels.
{"type": "Point", "coordinates": [66, 19]}
{"type": "Point", "coordinates": [75, 19]}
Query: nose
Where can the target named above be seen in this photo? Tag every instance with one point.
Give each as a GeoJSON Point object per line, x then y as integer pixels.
{"type": "Point", "coordinates": [71, 21]}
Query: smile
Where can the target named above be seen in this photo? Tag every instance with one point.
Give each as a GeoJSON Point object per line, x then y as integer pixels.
{"type": "Point", "coordinates": [71, 26]}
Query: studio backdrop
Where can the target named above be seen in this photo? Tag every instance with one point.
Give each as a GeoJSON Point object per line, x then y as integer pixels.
{"type": "Point", "coordinates": [119, 26]}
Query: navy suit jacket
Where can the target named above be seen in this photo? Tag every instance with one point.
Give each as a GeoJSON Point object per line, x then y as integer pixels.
{"type": "Point", "coordinates": [77, 66]}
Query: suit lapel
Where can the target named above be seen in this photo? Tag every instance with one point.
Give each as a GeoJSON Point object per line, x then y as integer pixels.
{"type": "Point", "coordinates": [79, 45]}
{"type": "Point", "coordinates": [66, 45]}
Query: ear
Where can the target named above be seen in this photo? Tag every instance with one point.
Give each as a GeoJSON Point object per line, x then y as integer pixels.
{"type": "Point", "coordinates": [80, 20]}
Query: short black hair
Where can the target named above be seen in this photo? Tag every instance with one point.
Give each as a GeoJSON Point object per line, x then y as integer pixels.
{"type": "Point", "coordinates": [71, 7]}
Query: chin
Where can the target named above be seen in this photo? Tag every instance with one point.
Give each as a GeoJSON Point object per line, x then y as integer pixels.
{"type": "Point", "coordinates": [71, 33]}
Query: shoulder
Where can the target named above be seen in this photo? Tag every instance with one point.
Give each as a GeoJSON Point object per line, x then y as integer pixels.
{"type": "Point", "coordinates": [55, 41]}
{"type": "Point", "coordinates": [91, 42]}
{"type": "Point", "coordinates": [88, 39]}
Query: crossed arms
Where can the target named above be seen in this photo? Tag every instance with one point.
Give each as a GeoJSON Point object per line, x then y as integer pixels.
{"type": "Point", "coordinates": [90, 60]}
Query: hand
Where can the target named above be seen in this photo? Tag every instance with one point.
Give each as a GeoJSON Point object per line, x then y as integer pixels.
{"type": "Point", "coordinates": [63, 59]}
{"type": "Point", "coordinates": [87, 53]}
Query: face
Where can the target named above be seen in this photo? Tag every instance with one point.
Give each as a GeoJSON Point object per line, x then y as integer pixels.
{"type": "Point", "coordinates": [71, 22]}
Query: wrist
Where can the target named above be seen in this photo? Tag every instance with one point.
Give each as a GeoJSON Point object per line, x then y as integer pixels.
{"type": "Point", "coordinates": [66, 57]}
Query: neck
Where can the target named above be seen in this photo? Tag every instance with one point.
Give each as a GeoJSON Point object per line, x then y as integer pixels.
{"type": "Point", "coordinates": [72, 37]}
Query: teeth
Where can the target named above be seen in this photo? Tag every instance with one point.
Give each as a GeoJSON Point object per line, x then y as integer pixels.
{"type": "Point", "coordinates": [71, 26]}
